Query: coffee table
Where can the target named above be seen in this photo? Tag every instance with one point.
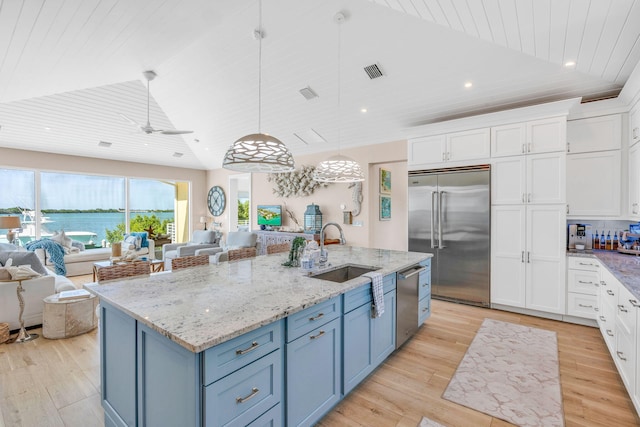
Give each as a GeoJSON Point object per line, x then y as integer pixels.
{"type": "Point", "coordinates": [155, 266]}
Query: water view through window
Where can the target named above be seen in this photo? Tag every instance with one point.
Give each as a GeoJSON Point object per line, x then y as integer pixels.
{"type": "Point", "coordinates": [89, 208]}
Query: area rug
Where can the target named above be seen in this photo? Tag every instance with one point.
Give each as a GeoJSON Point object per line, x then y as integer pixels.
{"type": "Point", "coordinates": [510, 372]}
{"type": "Point", "coordinates": [426, 422]}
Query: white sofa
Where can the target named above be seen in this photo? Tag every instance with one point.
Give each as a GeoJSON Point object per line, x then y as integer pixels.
{"type": "Point", "coordinates": [35, 290]}
{"type": "Point", "coordinates": [200, 240]}
{"type": "Point", "coordinates": [81, 263]}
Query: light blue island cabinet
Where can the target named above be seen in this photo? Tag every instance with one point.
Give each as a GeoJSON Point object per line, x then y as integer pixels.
{"type": "Point", "coordinates": [200, 351]}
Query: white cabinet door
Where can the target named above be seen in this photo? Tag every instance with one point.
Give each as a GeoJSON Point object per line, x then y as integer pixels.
{"type": "Point", "coordinates": [593, 184]}
{"type": "Point", "coordinates": [634, 180]}
{"type": "Point", "coordinates": [546, 258]}
{"type": "Point", "coordinates": [634, 125]}
{"type": "Point", "coordinates": [508, 180]}
{"type": "Point", "coordinates": [547, 135]}
{"type": "Point", "coordinates": [468, 145]}
{"type": "Point", "coordinates": [546, 178]}
{"type": "Point", "coordinates": [594, 134]}
{"type": "Point", "coordinates": [507, 255]}
{"type": "Point", "coordinates": [508, 140]}
{"type": "Point", "coordinates": [430, 149]}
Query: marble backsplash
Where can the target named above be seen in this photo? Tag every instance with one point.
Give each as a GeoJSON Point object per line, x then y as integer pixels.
{"type": "Point", "coordinates": [600, 225]}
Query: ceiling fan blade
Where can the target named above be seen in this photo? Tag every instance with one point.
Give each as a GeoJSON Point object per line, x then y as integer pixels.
{"type": "Point", "coordinates": [175, 132]}
{"type": "Point", "coordinates": [129, 120]}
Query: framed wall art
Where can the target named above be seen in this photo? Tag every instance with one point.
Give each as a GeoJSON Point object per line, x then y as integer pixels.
{"type": "Point", "coordinates": [385, 208]}
{"type": "Point", "coordinates": [385, 181]}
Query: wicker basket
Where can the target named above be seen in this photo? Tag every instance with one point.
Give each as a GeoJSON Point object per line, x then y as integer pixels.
{"type": "Point", "coordinates": [4, 332]}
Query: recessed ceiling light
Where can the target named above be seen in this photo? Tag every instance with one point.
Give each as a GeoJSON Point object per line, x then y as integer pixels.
{"type": "Point", "coordinates": [176, 154]}
{"type": "Point", "coordinates": [570, 64]}
{"type": "Point", "coordinates": [468, 85]}
{"type": "Point", "coordinates": [363, 110]}
{"type": "Point", "coordinates": [104, 144]}
{"type": "Point", "coordinates": [47, 128]}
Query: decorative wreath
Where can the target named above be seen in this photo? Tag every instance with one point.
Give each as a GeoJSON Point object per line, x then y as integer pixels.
{"type": "Point", "coordinates": [298, 183]}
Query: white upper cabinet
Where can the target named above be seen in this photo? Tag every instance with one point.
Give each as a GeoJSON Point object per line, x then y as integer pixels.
{"type": "Point", "coordinates": [450, 147]}
{"type": "Point", "coordinates": [634, 181]}
{"type": "Point", "coordinates": [594, 134]}
{"type": "Point", "coordinates": [509, 140]}
{"type": "Point", "coordinates": [469, 145]}
{"type": "Point", "coordinates": [548, 135]}
{"type": "Point", "coordinates": [538, 136]}
{"type": "Point", "coordinates": [634, 125]}
{"type": "Point", "coordinates": [425, 150]}
{"type": "Point", "coordinates": [536, 179]}
{"type": "Point", "coordinates": [593, 184]}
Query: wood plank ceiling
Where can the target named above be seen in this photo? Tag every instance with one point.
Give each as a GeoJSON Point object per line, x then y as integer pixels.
{"type": "Point", "coordinates": [69, 68]}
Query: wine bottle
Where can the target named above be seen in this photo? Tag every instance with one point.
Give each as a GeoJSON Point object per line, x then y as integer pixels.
{"type": "Point", "coordinates": [608, 241]}
{"type": "Point", "coordinates": [596, 241]}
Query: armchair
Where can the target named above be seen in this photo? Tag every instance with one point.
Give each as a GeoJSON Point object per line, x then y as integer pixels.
{"type": "Point", "coordinates": [200, 240]}
{"type": "Point", "coordinates": [235, 240]}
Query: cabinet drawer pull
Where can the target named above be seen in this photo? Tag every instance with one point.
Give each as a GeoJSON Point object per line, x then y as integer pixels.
{"type": "Point", "coordinates": [529, 148]}
{"type": "Point", "coordinates": [424, 310]}
{"type": "Point", "coordinates": [252, 347]}
{"type": "Point", "coordinates": [589, 264]}
{"type": "Point", "coordinates": [622, 309]}
{"type": "Point", "coordinates": [522, 256]}
{"type": "Point", "coordinates": [524, 149]}
{"type": "Point", "coordinates": [620, 354]}
{"type": "Point", "coordinates": [585, 283]}
{"type": "Point", "coordinates": [585, 306]}
{"type": "Point", "coordinates": [529, 198]}
{"type": "Point", "coordinates": [596, 309]}
{"type": "Point", "coordinates": [313, 337]}
{"type": "Point", "coordinates": [603, 319]}
{"type": "Point", "coordinates": [634, 303]}
{"type": "Point", "coordinates": [609, 332]}
{"type": "Point", "coordinates": [610, 292]}
{"type": "Point", "coordinates": [319, 316]}
{"type": "Point", "coordinates": [254, 391]}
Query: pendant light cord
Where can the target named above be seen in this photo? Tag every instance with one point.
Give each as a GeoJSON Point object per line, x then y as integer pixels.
{"type": "Point", "coordinates": [148, 121]}
{"type": "Point", "coordinates": [339, 85]}
{"type": "Point", "coordinates": [260, 35]}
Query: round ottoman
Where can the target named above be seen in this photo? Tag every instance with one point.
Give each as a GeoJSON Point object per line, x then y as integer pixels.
{"type": "Point", "coordinates": [68, 318]}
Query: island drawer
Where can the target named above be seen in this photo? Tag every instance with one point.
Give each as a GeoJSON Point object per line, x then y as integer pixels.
{"type": "Point", "coordinates": [232, 355]}
{"type": "Point", "coordinates": [424, 310]}
{"type": "Point", "coordinates": [424, 284]}
{"type": "Point", "coordinates": [363, 295]}
{"type": "Point", "coordinates": [580, 263]}
{"type": "Point", "coordinates": [313, 317]}
{"type": "Point", "coordinates": [243, 396]}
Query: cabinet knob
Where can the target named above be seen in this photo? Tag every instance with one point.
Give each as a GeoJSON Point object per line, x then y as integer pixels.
{"type": "Point", "coordinates": [621, 356]}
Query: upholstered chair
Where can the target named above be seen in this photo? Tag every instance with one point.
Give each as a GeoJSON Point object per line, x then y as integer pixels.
{"type": "Point", "coordinates": [235, 240]}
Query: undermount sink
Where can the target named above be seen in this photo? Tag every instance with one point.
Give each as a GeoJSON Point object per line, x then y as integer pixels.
{"type": "Point", "coordinates": [342, 273]}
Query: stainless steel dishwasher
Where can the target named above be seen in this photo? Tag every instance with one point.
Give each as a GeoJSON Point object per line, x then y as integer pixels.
{"type": "Point", "coordinates": [407, 304]}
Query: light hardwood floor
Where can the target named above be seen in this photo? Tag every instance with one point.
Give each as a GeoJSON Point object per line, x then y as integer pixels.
{"type": "Point", "coordinates": [56, 382]}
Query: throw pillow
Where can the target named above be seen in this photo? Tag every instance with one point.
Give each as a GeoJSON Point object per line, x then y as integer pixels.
{"type": "Point", "coordinates": [132, 242]}
{"type": "Point", "coordinates": [21, 272]}
{"type": "Point", "coordinates": [23, 258]}
{"type": "Point", "coordinates": [143, 235]}
{"type": "Point", "coordinates": [62, 239]}
{"type": "Point", "coordinates": [77, 245]}
{"type": "Point", "coordinates": [8, 247]}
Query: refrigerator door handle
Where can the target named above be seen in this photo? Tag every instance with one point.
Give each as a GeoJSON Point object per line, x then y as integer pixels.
{"type": "Point", "coordinates": [440, 236]}
{"type": "Point", "coordinates": [433, 224]}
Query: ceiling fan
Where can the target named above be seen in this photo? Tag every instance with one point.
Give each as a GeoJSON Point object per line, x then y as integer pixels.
{"type": "Point", "coordinates": [148, 129]}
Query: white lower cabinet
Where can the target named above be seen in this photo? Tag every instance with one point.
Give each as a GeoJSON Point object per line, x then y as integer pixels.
{"type": "Point", "coordinates": [625, 356]}
{"type": "Point", "coordinates": [528, 257]}
{"type": "Point", "coordinates": [583, 284]}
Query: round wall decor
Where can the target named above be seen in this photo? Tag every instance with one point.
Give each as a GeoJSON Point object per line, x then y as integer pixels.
{"type": "Point", "coordinates": [216, 200]}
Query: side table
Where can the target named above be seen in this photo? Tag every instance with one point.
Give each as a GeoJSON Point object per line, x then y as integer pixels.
{"type": "Point", "coordinates": [23, 335]}
{"type": "Point", "coordinates": [68, 318]}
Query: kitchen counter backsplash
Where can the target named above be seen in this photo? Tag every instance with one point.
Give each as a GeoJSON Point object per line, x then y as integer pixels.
{"type": "Point", "coordinates": [625, 268]}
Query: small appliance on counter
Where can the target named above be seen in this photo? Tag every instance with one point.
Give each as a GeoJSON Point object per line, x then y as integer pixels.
{"type": "Point", "coordinates": [580, 235]}
{"type": "Point", "coordinates": [630, 241]}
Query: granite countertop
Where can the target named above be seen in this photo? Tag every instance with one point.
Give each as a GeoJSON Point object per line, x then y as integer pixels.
{"type": "Point", "coordinates": [201, 307]}
{"type": "Point", "coordinates": [625, 268]}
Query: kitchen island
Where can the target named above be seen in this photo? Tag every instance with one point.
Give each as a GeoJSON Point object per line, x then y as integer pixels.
{"type": "Point", "coordinates": [242, 342]}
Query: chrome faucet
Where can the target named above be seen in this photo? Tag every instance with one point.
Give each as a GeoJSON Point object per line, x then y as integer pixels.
{"type": "Point", "coordinates": [343, 241]}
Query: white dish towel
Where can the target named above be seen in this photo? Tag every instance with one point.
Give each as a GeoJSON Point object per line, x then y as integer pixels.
{"type": "Point", "coordinates": [377, 308]}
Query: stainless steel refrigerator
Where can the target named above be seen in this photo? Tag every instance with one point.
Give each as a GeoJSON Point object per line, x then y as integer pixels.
{"type": "Point", "coordinates": [449, 217]}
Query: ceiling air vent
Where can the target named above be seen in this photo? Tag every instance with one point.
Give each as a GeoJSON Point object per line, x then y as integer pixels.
{"type": "Point", "coordinates": [300, 138]}
{"type": "Point", "coordinates": [176, 154]}
{"type": "Point", "coordinates": [373, 71]}
{"type": "Point", "coordinates": [308, 93]}
{"type": "Point", "coordinates": [104, 144]}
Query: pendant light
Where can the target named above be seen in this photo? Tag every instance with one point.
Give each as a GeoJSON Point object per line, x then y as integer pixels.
{"type": "Point", "coordinates": [258, 152]}
{"type": "Point", "coordinates": [338, 168]}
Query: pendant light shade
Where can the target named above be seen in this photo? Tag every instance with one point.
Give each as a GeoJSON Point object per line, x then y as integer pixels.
{"type": "Point", "coordinates": [259, 152]}
{"type": "Point", "coordinates": [338, 169]}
